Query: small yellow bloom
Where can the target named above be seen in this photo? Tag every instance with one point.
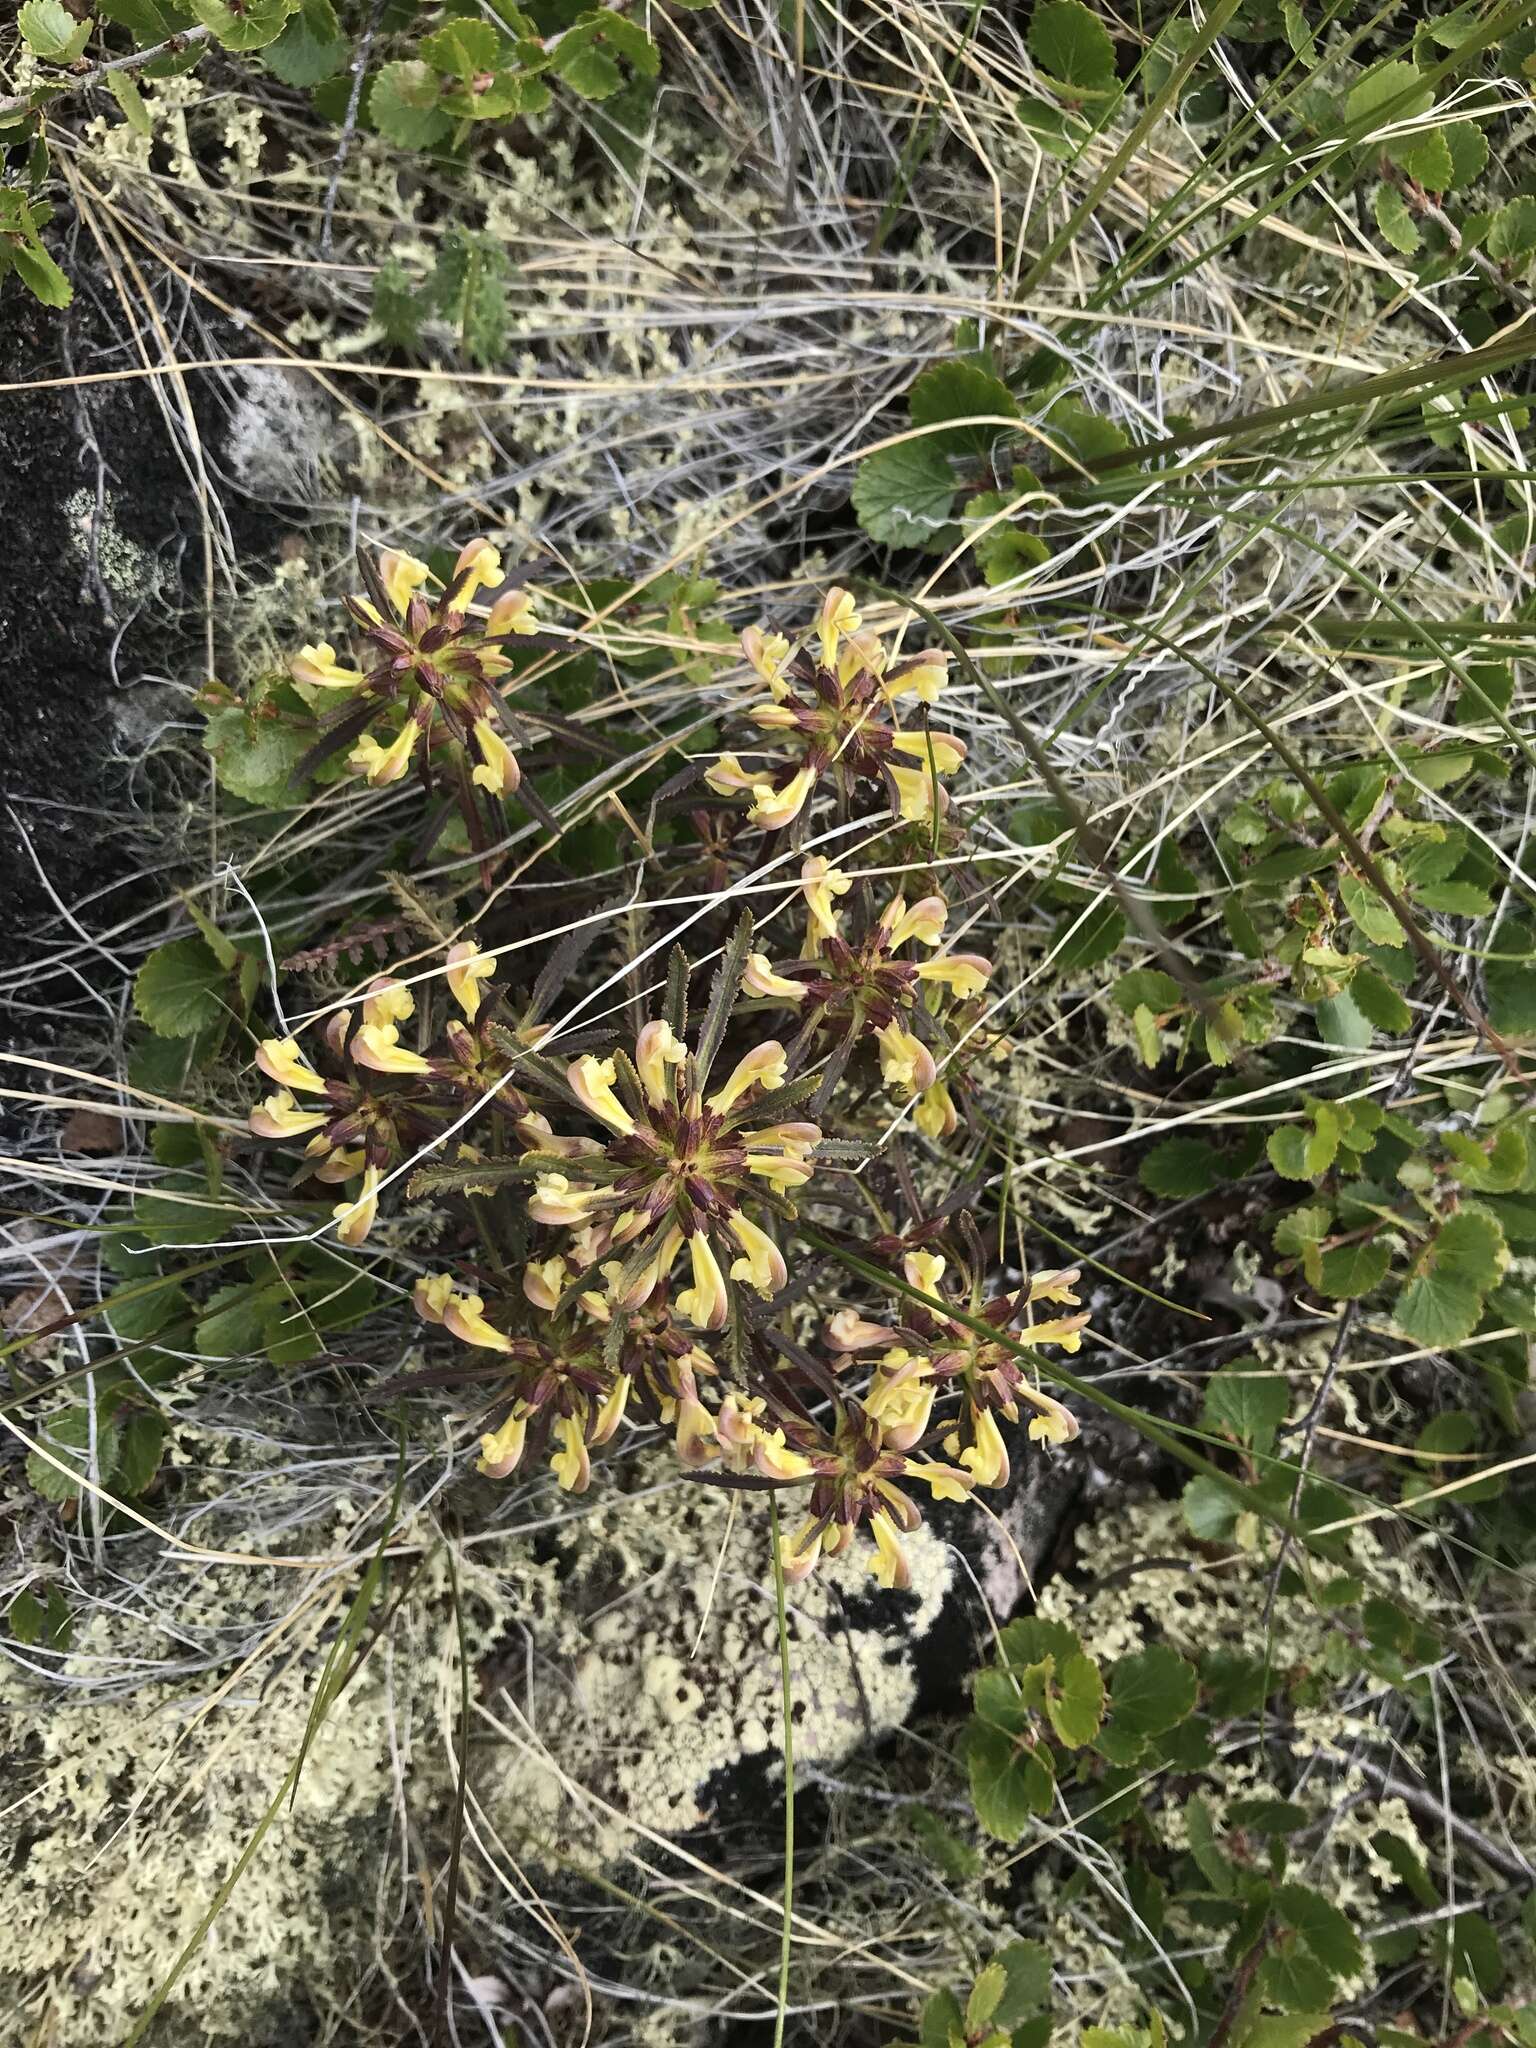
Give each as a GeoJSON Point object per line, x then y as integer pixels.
{"type": "Point", "coordinates": [764, 1066]}
{"type": "Point", "coordinates": [319, 667]}
{"type": "Point", "coordinates": [849, 1331]}
{"type": "Point", "coordinates": [760, 980]}
{"type": "Point", "coordinates": [767, 653]}
{"type": "Point", "coordinates": [280, 1060]}
{"type": "Point", "coordinates": [355, 1219]}
{"type": "Point", "coordinates": [544, 1281]}
{"type": "Point", "coordinates": [1054, 1424]}
{"type": "Point", "coordinates": [388, 1002]}
{"type": "Point", "coordinates": [463, 1318]}
{"type": "Point", "coordinates": [900, 1397]}
{"type": "Point", "coordinates": [378, 1046]}
{"type": "Point", "coordinates": [941, 748]}
{"type": "Point", "coordinates": [905, 1062]}
{"type": "Point", "coordinates": [402, 576]}
{"type": "Point", "coordinates": [498, 771]}
{"type": "Point", "coordinates": [781, 1154]}
{"type": "Point", "coordinates": [923, 922]}
{"type": "Point", "coordinates": [798, 1553]}
{"type": "Point", "coordinates": [727, 777]}
{"type": "Point", "coordinates": [1067, 1331]}
{"type": "Point", "coordinates": [591, 1081]}
{"type": "Point", "coordinates": [773, 809]}
{"type": "Point", "coordinates": [918, 675]}
{"type": "Point", "coordinates": [695, 1424]}
{"type": "Point", "coordinates": [890, 1567]}
{"type": "Point", "coordinates": [502, 1453]}
{"type": "Point", "coordinates": [859, 651]}
{"type": "Point", "coordinates": [570, 1463]}
{"type": "Point", "coordinates": [945, 1481]}
{"type": "Point", "coordinates": [383, 765]}
{"type": "Point", "coordinates": [431, 1295]}
{"type": "Point", "coordinates": [763, 1266]}
{"type": "Point", "coordinates": [774, 717]}
{"type": "Point", "coordinates": [706, 1304]}
{"type": "Point", "coordinates": [467, 968]}
{"type": "Point", "coordinates": [484, 566]}
{"type": "Point", "coordinates": [281, 1117]}
{"type": "Point", "coordinates": [987, 1458]}
{"type": "Point", "coordinates": [653, 1272]}
{"type": "Point", "coordinates": [657, 1047]}
{"type": "Point", "coordinates": [819, 883]}
{"type": "Point", "coordinates": [512, 613]}
{"type": "Point", "coordinates": [966, 974]}
{"type": "Point", "coordinates": [558, 1201]}
{"type": "Point", "coordinates": [917, 791]}
{"type": "Point", "coordinates": [1057, 1285]}
{"type": "Point", "coordinates": [839, 615]}
{"type": "Point", "coordinates": [924, 1271]}
{"type": "Point", "coordinates": [611, 1413]}
{"type": "Point", "coordinates": [337, 1164]}
{"type": "Point", "coordinates": [936, 1115]}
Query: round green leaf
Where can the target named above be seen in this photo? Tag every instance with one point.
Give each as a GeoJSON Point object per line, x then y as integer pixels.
{"type": "Point", "coordinates": [404, 105]}
{"type": "Point", "coordinates": [1070, 45]}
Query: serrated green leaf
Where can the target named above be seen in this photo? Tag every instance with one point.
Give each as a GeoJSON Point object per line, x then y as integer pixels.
{"type": "Point", "coordinates": [1353, 1270]}
{"type": "Point", "coordinates": [1390, 93]}
{"type": "Point", "coordinates": [1026, 1967]}
{"type": "Point", "coordinates": [1394, 219]}
{"type": "Point", "coordinates": [1071, 46]}
{"type": "Point", "coordinates": [587, 69]}
{"type": "Point", "coordinates": [1000, 1791]}
{"type": "Point", "coordinates": [139, 1460]}
{"type": "Point", "coordinates": [1246, 1403]}
{"type": "Point", "coordinates": [1287, 1151]}
{"type": "Point", "coordinates": [1322, 1926]}
{"type": "Point", "coordinates": [255, 24]}
{"type": "Point", "coordinates": [51, 32]}
{"type": "Point", "coordinates": [404, 104]}
{"type": "Point", "coordinates": [1441, 1304]}
{"type": "Point", "coordinates": [1511, 982]}
{"type": "Point", "coordinates": [181, 989]}
{"type": "Point", "coordinates": [68, 1437]}
{"type": "Point", "coordinates": [124, 89]}
{"type": "Point", "coordinates": [40, 274]}
{"type": "Point", "coordinates": [311, 48]}
{"type": "Point", "coordinates": [1180, 1168]}
{"type": "Point", "coordinates": [1511, 237]}
{"type": "Point", "coordinates": [1379, 1002]}
{"type": "Point", "coordinates": [1284, 2029]}
{"type": "Point", "coordinates": [1210, 1509]}
{"type": "Point", "coordinates": [1426, 158]}
{"type": "Point", "coordinates": [957, 391]}
{"type": "Point", "coordinates": [1074, 1702]}
{"type": "Point", "coordinates": [1469, 152]}
{"type": "Point", "coordinates": [1151, 1692]}
{"type": "Point", "coordinates": [255, 759]}
{"type": "Point", "coordinates": [905, 494]}
{"type": "Point", "coordinates": [1372, 914]}
{"type": "Point", "coordinates": [987, 1989]}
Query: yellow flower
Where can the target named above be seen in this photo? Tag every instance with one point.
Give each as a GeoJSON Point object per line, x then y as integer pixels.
{"type": "Point", "coordinates": [763, 1267]}
{"type": "Point", "coordinates": [966, 974]}
{"type": "Point", "coordinates": [484, 566]}
{"type": "Point", "coordinates": [338, 1163]}
{"type": "Point", "coordinates": [1057, 1285]}
{"type": "Point", "coordinates": [498, 771]}
{"type": "Point", "coordinates": [695, 1424]}
{"type": "Point", "coordinates": [388, 1002]}
{"type": "Point", "coordinates": [558, 1201]}
{"type": "Point", "coordinates": [760, 980]}
{"type": "Point", "coordinates": [570, 1463]}
{"type": "Point", "coordinates": [431, 1295]}
{"type": "Point", "coordinates": [653, 1272]}
{"type": "Point", "coordinates": [706, 1304]}
{"type": "Point", "coordinates": [839, 615]}
{"type": "Point", "coordinates": [378, 1046]}
{"type": "Point", "coordinates": [905, 1062]}
{"type": "Point", "coordinates": [901, 1397]}
{"type": "Point", "coordinates": [355, 1219]}
{"type": "Point", "coordinates": [727, 777]}
{"type": "Point", "coordinates": [923, 922]}
{"type": "Point", "coordinates": [503, 1452]}
{"type": "Point", "coordinates": [279, 1059]}
{"type": "Point", "coordinates": [987, 1458]}
{"type": "Point", "coordinates": [819, 883]}
{"type": "Point", "coordinates": [611, 1414]}
{"type": "Point", "coordinates": [936, 1115]}
{"type": "Point", "coordinates": [764, 1064]}
{"type": "Point", "coordinates": [544, 1281]}
{"type": "Point", "coordinates": [861, 650]}
{"type": "Point", "coordinates": [512, 613]}
{"type": "Point", "coordinates": [775, 808]}
{"type": "Point", "coordinates": [917, 790]}
{"type": "Point", "coordinates": [463, 1318]}
{"type": "Point", "coordinates": [945, 1482]}
{"type": "Point", "coordinates": [781, 1154]}
{"type": "Point", "coordinates": [941, 748]}
{"type": "Point", "coordinates": [467, 968]}
{"type": "Point", "coordinates": [657, 1047]}
{"type": "Point", "coordinates": [1054, 1424]}
{"type": "Point", "coordinates": [890, 1567]}
{"type": "Point", "coordinates": [849, 1331]}
{"type": "Point", "coordinates": [798, 1553]}
{"type": "Point", "coordinates": [591, 1081]}
{"type": "Point", "coordinates": [924, 1271]}
{"type": "Point", "coordinates": [319, 667]}
{"type": "Point", "coordinates": [918, 675]}
{"type": "Point", "coordinates": [1067, 1331]}
{"type": "Point", "coordinates": [280, 1117]}
{"type": "Point", "coordinates": [766, 652]}
{"type": "Point", "coordinates": [383, 765]}
{"type": "Point", "coordinates": [402, 575]}
{"type": "Point", "coordinates": [749, 1447]}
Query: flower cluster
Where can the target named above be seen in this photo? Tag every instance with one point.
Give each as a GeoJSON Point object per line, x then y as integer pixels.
{"type": "Point", "coordinates": [368, 1100]}
{"type": "Point", "coordinates": [633, 1205]}
{"type": "Point", "coordinates": [425, 689]}
{"type": "Point", "coordinates": [835, 701]}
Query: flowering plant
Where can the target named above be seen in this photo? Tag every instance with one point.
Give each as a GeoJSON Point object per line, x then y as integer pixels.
{"type": "Point", "coordinates": [638, 1242]}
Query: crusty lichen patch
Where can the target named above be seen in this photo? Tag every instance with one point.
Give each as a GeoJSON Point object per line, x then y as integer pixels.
{"type": "Point", "coordinates": [677, 1679]}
